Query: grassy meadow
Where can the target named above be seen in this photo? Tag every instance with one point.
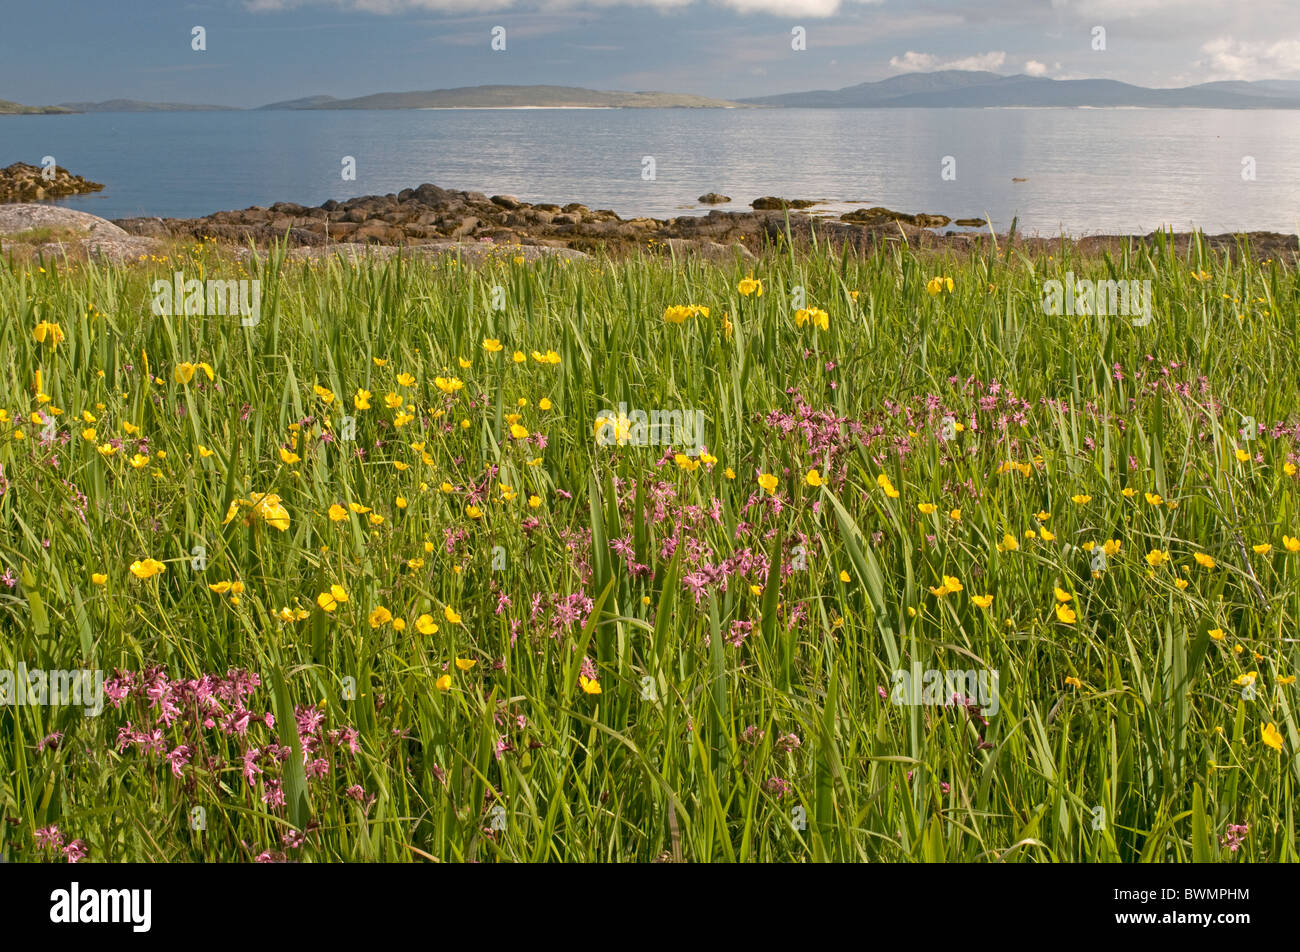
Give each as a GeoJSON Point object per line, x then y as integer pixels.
{"type": "Point", "coordinates": [364, 585]}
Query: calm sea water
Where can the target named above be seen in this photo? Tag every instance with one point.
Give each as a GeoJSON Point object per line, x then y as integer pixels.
{"type": "Point", "coordinates": [1087, 170]}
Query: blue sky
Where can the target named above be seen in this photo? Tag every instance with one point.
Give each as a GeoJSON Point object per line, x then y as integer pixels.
{"type": "Point", "coordinates": [259, 51]}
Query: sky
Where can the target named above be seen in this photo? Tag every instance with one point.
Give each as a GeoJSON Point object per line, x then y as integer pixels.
{"type": "Point", "coordinates": [261, 51]}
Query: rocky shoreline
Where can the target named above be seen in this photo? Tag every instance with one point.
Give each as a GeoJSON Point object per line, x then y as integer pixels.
{"type": "Point", "coordinates": [433, 220]}
{"type": "Point", "coordinates": [432, 215]}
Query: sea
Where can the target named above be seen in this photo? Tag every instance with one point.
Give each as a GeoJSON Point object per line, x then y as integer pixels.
{"type": "Point", "coordinates": [1054, 171]}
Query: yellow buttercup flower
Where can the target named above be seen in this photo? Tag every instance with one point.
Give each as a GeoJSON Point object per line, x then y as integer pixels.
{"type": "Point", "coordinates": [332, 599]}
{"type": "Point", "coordinates": [589, 685]}
{"type": "Point", "coordinates": [425, 625]}
{"type": "Point", "coordinates": [982, 601]}
{"type": "Point", "coordinates": [1203, 560]}
{"type": "Point", "coordinates": [453, 618]}
{"type": "Point", "coordinates": [768, 482]}
{"type": "Point", "coordinates": [448, 385]}
{"type": "Point", "coordinates": [750, 285]}
{"type": "Point", "coordinates": [443, 683]}
{"type": "Point", "coordinates": [1065, 614]}
{"type": "Point", "coordinates": [813, 478]}
{"type": "Point", "coordinates": [361, 399]}
{"type": "Point", "coordinates": [1270, 735]}
{"type": "Point", "coordinates": [926, 508]}
{"type": "Point", "coordinates": [465, 664]}
{"type": "Point", "coordinates": [380, 616]}
{"type": "Point", "coordinates": [147, 568]}
{"type": "Point", "coordinates": [948, 585]}
{"type": "Point", "coordinates": [98, 578]}
{"type": "Point", "coordinates": [884, 483]}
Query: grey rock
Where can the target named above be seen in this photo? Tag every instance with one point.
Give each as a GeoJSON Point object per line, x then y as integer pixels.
{"type": "Point", "coordinates": [19, 218]}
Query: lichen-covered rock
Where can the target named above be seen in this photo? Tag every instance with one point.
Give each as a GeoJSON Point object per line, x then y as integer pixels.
{"type": "Point", "coordinates": [15, 219]}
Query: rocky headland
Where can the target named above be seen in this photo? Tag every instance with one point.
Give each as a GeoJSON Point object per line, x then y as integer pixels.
{"type": "Point", "coordinates": [21, 182]}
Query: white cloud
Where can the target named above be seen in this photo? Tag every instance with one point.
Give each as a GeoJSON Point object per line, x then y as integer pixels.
{"type": "Point", "coordinates": [814, 9]}
{"type": "Point", "coordinates": [914, 62]}
{"type": "Point", "coordinates": [1241, 59]}
{"type": "Point", "coordinates": [1035, 68]}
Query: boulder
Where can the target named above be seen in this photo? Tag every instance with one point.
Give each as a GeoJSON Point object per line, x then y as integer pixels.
{"type": "Point", "coordinates": [19, 218]}
{"type": "Point", "coordinates": [713, 198]}
{"type": "Point", "coordinates": [772, 203]}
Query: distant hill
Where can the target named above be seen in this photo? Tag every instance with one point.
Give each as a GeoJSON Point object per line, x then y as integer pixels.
{"type": "Point", "coordinates": [308, 102]}
{"type": "Point", "coordinates": [978, 89]}
{"type": "Point", "coordinates": [8, 108]}
{"type": "Point", "coordinates": [505, 97]}
{"type": "Point", "coordinates": [138, 105]}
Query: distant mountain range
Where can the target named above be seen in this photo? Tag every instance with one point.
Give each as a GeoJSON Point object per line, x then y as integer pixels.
{"type": "Point", "coordinates": [508, 97]}
{"type": "Point", "coordinates": [943, 89]}
{"type": "Point", "coordinates": [978, 89]}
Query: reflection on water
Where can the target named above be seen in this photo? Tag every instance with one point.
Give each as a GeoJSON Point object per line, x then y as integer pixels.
{"type": "Point", "coordinates": [1085, 170]}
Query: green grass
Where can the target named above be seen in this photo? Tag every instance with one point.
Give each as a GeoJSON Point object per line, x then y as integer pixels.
{"type": "Point", "coordinates": [685, 753]}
